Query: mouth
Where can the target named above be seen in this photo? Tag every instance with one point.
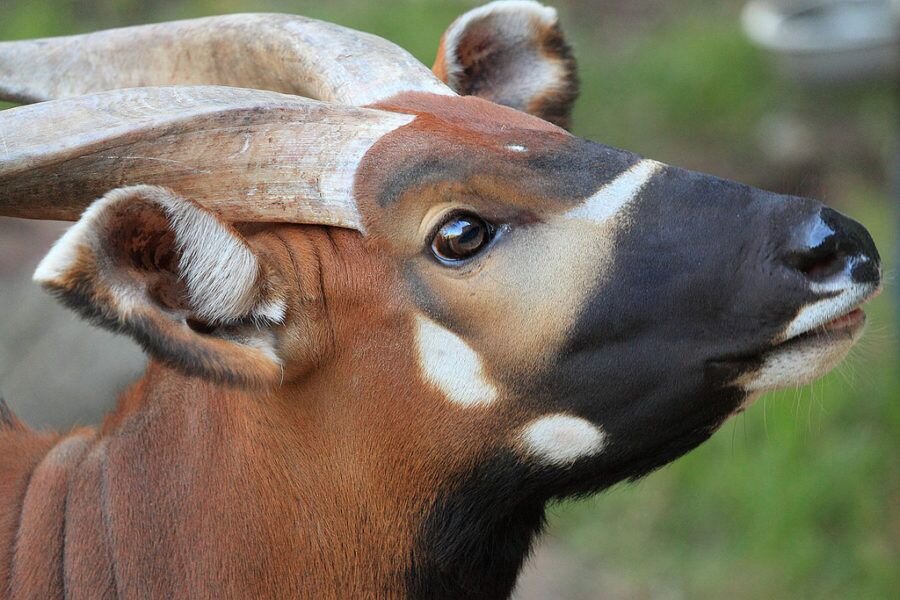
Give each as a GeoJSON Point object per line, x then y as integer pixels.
{"type": "Point", "coordinates": [839, 312]}
{"type": "Point", "coordinates": [849, 324]}
{"type": "Point", "coordinates": [819, 337]}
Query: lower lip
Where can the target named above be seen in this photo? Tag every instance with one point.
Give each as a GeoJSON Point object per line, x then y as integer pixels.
{"type": "Point", "coordinates": [852, 319]}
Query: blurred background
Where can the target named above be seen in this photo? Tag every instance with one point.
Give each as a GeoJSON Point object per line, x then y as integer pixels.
{"type": "Point", "coordinates": [797, 498]}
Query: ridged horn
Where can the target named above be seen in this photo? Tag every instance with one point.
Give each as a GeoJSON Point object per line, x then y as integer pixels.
{"type": "Point", "coordinates": [282, 53]}
{"type": "Point", "coordinates": [249, 155]}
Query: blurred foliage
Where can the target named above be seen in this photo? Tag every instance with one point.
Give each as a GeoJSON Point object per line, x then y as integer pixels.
{"type": "Point", "coordinates": [800, 496]}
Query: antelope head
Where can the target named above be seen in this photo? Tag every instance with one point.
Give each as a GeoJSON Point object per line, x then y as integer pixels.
{"type": "Point", "coordinates": [426, 269]}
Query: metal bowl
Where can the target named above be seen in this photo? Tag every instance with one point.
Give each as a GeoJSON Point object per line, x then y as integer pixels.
{"type": "Point", "coordinates": [828, 41]}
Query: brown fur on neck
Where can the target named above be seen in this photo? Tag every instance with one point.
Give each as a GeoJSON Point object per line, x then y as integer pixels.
{"type": "Point", "coordinates": [252, 492]}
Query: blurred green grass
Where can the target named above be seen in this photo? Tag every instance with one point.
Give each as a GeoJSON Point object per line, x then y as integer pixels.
{"type": "Point", "coordinates": [800, 496]}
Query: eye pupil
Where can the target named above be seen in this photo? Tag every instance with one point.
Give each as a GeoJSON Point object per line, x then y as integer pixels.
{"type": "Point", "coordinates": [470, 237]}
{"type": "Point", "coordinates": [460, 237]}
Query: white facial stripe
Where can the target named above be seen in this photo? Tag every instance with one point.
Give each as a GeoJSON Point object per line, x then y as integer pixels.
{"type": "Point", "coordinates": [561, 439]}
{"type": "Point", "coordinates": [451, 365]}
{"type": "Point", "coordinates": [546, 305]}
{"type": "Point", "coordinates": [611, 198]}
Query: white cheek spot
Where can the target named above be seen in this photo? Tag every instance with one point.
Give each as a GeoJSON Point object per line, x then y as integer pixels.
{"type": "Point", "coordinates": [451, 365]}
{"type": "Point", "coordinates": [615, 195]}
{"type": "Point", "coordinates": [516, 148]}
{"type": "Point", "coordinates": [561, 439]}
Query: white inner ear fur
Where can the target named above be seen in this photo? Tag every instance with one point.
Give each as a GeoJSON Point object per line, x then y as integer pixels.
{"type": "Point", "coordinates": [511, 19]}
{"type": "Point", "coordinates": [65, 250]}
{"type": "Point", "coordinates": [218, 267]}
{"type": "Point", "coordinates": [561, 439]}
{"type": "Point", "coordinates": [451, 365]}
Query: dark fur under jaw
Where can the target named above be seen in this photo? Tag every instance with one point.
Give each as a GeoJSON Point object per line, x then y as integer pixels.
{"type": "Point", "coordinates": [476, 538]}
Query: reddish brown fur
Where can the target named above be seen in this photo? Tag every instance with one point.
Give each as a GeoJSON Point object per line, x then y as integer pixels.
{"type": "Point", "coordinates": [316, 476]}
{"type": "Point", "coordinates": [194, 489]}
{"type": "Point", "coordinates": [314, 481]}
{"type": "Point", "coordinates": [20, 453]}
{"type": "Point", "coordinates": [469, 133]}
{"type": "Point", "coordinates": [440, 60]}
{"type": "Point", "coordinates": [315, 456]}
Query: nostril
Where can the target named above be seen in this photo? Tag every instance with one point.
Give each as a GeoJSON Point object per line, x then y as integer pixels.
{"type": "Point", "coordinates": [822, 258]}
{"type": "Point", "coordinates": [817, 253]}
{"type": "Point", "coordinates": [821, 267]}
{"type": "Point", "coordinates": [831, 244]}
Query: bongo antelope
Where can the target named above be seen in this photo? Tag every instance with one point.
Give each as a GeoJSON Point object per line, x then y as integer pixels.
{"type": "Point", "coordinates": [390, 313]}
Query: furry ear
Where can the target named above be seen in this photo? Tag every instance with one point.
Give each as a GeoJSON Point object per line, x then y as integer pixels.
{"type": "Point", "coordinates": [168, 272]}
{"type": "Point", "coordinates": [511, 52]}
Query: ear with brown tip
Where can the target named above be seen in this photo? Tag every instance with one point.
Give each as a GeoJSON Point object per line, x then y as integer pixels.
{"type": "Point", "coordinates": [511, 52]}
{"type": "Point", "coordinates": [169, 273]}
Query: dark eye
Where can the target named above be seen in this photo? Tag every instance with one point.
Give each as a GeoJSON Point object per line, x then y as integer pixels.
{"type": "Point", "coordinates": [461, 237]}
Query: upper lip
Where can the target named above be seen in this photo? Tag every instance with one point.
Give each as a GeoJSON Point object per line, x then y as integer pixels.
{"type": "Point", "coordinates": [835, 313]}
{"type": "Point", "coordinates": [812, 329]}
{"type": "Point", "coordinates": [849, 320]}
